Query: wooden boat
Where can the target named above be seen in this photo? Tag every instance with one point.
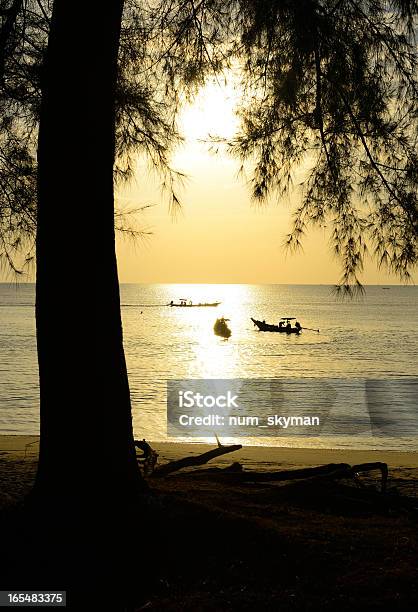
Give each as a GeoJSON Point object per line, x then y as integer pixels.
{"type": "Point", "coordinates": [221, 328]}
{"type": "Point", "coordinates": [189, 304]}
{"type": "Point", "coordinates": [284, 328]}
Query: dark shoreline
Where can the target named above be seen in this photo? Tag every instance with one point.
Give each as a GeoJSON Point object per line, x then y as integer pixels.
{"type": "Point", "coordinates": [209, 544]}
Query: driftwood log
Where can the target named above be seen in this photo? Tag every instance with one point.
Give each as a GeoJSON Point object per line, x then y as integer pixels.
{"type": "Point", "coordinates": [330, 470]}
{"type": "Point", "coordinates": [174, 466]}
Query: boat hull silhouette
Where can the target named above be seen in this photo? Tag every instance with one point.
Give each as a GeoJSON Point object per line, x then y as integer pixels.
{"type": "Point", "coordinates": [204, 305]}
{"type": "Point", "coordinates": [267, 327]}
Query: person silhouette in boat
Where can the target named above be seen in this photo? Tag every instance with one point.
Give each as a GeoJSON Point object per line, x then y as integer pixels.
{"type": "Point", "coordinates": [288, 326]}
{"type": "Point", "coordinates": [298, 325]}
{"type": "Point", "coordinates": [281, 324]}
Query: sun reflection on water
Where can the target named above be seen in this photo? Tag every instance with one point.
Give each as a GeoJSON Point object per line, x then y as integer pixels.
{"type": "Point", "coordinates": [179, 343]}
{"type": "Point", "coordinates": [213, 357]}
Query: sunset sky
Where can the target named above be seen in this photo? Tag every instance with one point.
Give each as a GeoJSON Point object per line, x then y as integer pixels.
{"type": "Point", "coordinates": [220, 235]}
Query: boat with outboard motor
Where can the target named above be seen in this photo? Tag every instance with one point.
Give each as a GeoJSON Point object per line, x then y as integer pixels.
{"type": "Point", "coordinates": [284, 326]}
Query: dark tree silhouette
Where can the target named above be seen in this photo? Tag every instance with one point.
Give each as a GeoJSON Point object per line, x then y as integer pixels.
{"type": "Point", "coordinates": [329, 88]}
{"type": "Point", "coordinates": [86, 443]}
{"type": "Point", "coordinates": [144, 122]}
{"type": "Point", "coordinates": [336, 97]}
{"type": "Point", "coordinates": [329, 101]}
{"type": "Point", "coordinates": [328, 85]}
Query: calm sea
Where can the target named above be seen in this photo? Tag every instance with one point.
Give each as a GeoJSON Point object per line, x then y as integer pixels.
{"type": "Point", "coordinates": [374, 337]}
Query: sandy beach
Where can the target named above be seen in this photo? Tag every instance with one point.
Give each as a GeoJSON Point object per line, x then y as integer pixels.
{"type": "Point", "coordinates": [18, 457]}
{"type": "Point", "coordinates": [18, 447]}
{"type": "Point", "coordinates": [253, 457]}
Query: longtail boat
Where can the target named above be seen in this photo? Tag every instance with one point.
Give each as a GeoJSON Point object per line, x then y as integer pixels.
{"type": "Point", "coordinates": [284, 327]}
{"type": "Point", "coordinates": [189, 304]}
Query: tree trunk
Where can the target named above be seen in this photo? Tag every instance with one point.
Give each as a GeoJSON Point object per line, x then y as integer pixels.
{"type": "Point", "coordinates": [86, 444]}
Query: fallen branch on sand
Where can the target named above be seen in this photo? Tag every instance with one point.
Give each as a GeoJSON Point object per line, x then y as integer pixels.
{"type": "Point", "coordinates": [330, 470]}
{"type": "Point", "coordinates": [174, 466]}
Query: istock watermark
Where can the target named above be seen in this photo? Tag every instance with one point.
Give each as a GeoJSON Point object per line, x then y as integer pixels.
{"type": "Point", "coordinates": [292, 407]}
{"type": "Point", "coordinates": [188, 399]}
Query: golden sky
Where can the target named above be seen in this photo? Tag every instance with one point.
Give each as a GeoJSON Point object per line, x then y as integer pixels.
{"type": "Point", "coordinates": [220, 235]}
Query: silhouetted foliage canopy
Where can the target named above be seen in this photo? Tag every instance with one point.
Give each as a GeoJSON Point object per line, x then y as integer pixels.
{"type": "Point", "coordinates": [329, 108]}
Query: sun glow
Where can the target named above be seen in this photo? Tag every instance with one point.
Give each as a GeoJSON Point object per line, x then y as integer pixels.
{"type": "Point", "coordinates": [212, 113]}
{"type": "Point", "coordinates": [219, 235]}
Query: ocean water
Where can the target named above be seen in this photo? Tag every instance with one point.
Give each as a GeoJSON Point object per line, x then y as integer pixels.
{"type": "Point", "coordinates": [372, 338]}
